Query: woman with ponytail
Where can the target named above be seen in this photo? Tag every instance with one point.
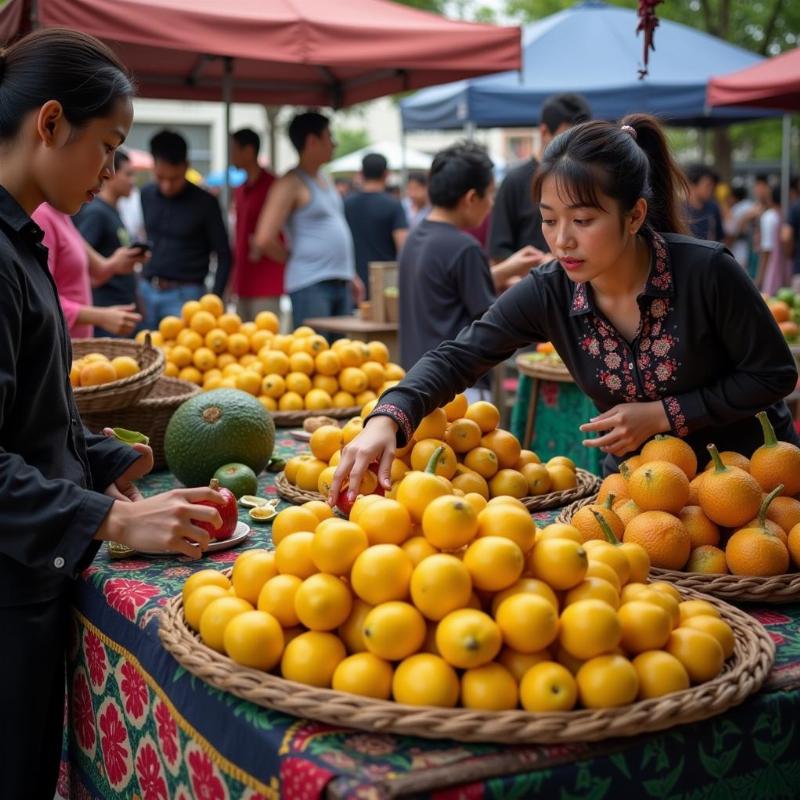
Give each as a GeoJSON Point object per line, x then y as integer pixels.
{"type": "Point", "coordinates": [665, 333]}
{"type": "Point", "coordinates": [65, 107]}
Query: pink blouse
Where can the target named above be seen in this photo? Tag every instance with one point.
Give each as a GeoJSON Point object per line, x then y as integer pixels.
{"type": "Point", "coordinates": [68, 260]}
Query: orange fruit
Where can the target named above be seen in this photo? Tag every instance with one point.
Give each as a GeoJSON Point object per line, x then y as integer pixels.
{"type": "Point", "coordinates": [694, 489]}
{"type": "Point", "coordinates": [785, 512]}
{"type": "Point", "coordinates": [204, 577]}
{"type": "Point", "coordinates": [659, 673]}
{"type": "Point", "coordinates": [526, 586]}
{"type": "Point", "coordinates": [197, 602]}
{"type": "Point", "coordinates": [494, 563]}
{"type": "Point", "coordinates": [385, 521]}
{"type": "Point", "coordinates": [425, 680]}
{"type": "Point", "coordinates": [561, 563]}
{"type": "Point", "coordinates": [353, 380]}
{"type": "Point", "coordinates": [585, 521]}
{"type": "Point", "coordinates": [433, 426]}
{"type": "Point", "coordinates": [215, 618]}
{"type": "Point", "coordinates": [509, 521]}
{"type": "Point", "coordinates": [674, 450]}
{"type": "Point", "coordinates": [254, 639]}
{"type": "Point", "coordinates": [275, 362]}
{"type": "Point", "coordinates": [463, 435]}
{"type": "Point", "coordinates": [483, 461]}
{"type": "Point", "coordinates": [449, 522]}
{"type": "Point", "coordinates": [470, 482]}
{"type": "Point", "coordinates": [125, 366]}
{"type": "Point", "coordinates": [308, 472]}
{"type": "Point", "coordinates": [290, 471]}
{"type": "Point", "coordinates": [317, 400]}
{"type": "Point", "coordinates": [490, 687]}
{"type": "Point", "coordinates": [381, 573]}
{"type": "Point", "coordinates": [529, 623]}
{"type": "Point", "coordinates": [729, 496]}
{"type": "Point", "coordinates": [508, 482]}
{"type": "Point", "coordinates": [699, 652]}
{"type": "Point", "coordinates": [694, 608]}
{"type": "Point", "coordinates": [756, 551]}
{"type": "Point", "coordinates": [98, 372]}
{"type": "Point", "coordinates": [519, 663]}
{"type": "Point", "coordinates": [293, 555]}
{"type": "Point", "coordinates": [663, 537]}
{"type": "Point", "coordinates": [394, 630]}
{"type": "Point", "coordinates": [707, 560]}
{"type": "Point", "coordinates": [539, 480]}
{"type": "Point", "coordinates": [593, 589]}
{"type": "Point", "coordinates": [662, 599]}
{"type": "Point", "coordinates": [440, 584]}
{"type": "Point", "coordinates": [527, 457]}
{"type": "Point", "coordinates": [607, 681]}
{"type": "Point", "coordinates": [325, 441]}
{"type": "Point", "coordinates": [793, 545]}
{"type": "Point", "coordinates": [417, 490]}
{"type": "Point", "coordinates": [364, 674]}
{"type": "Point", "coordinates": [598, 569]}
{"type": "Point", "coordinates": [561, 477]}
{"type": "Point", "coordinates": [170, 327]}
{"type": "Point", "coordinates": [321, 509]}
{"type": "Point", "coordinates": [614, 484]}
{"type": "Point", "coordinates": [312, 658]}
{"type": "Point", "coordinates": [632, 463]}
{"type": "Point", "coordinates": [336, 546]}
{"type": "Point", "coordinates": [638, 560]}
{"type": "Point", "coordinates": [645, 626]}
{"type": "Point", "coordinates": [626, 510]}
{"type": "Point", "coordinates": [298, 383]}
{"type": "Point", "coordinates": [588, 628]}
{"type": "Point", "coordinates": [701, 530]}
{"type": "Point", "coordinates": [418, 548]}
{"type": "Point", "coordinates": [468, 638]}
{"type": "Point", "coordinates": [213, 304]}
{"type": "Point", "coordinates": [559, 530]}
{"type": "Point", "coordinates": [456, 408]}
{"type": "Point", "coordinates": [547, 687]}
{"type": "Point", "coordinates": [715, 626]}
{"type": "Point", "coordinates": [424, 449]}
{"type": "Point", "coordinates": [659, 486]}
{"type": "Point", "coordinates": [268, 321]}
{"type": "Point", "coordinates": [485, 414]}
{"type": "Point", "coordinates": [277, 598]}
{"type": "Point", "coordinates": [351, 630]}
{"type": "Point", "coordinates": [505, 445]}
{"type": "Point", "coordinates": [775, 463]}
{"type": "Point", "coordinates": [730, 459]}
{"type": "Point", "coordinates": [252, 572]}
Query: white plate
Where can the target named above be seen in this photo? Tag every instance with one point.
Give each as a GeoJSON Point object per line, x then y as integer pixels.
{"type": "Point", "coordinates": [240, 534]}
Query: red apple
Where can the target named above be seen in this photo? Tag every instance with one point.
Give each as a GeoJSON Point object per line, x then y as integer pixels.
{"type": "Point", "coordinates": [343, 502]}
{"type": "Point", "coordinates": [228, 510]}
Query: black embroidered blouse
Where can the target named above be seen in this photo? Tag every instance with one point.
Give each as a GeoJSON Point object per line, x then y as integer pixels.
{"type": "Point", "coordinates": [707, 347]}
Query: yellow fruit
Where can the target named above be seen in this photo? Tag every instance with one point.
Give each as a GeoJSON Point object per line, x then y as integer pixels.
{"type": "Point", "coordinates": [440, 584]}
{"type": "Point", "coordinates": [196, 603]}
{"type": "Point", "coordinates": [490, 687]}
{"type": "Point", "coordinates": [301, 362]}
{"type": "Point", "coordinates": [449, 522]}
{"type": "Point", "coordinates": [124, 366]}
{"type": "Point", "coordinates": [483, 461]}
{"type": "Point", "coordinates": [505, 445]}
{"type": "Point", "coordinates": [666, 588]}
{"type": "Point", "coordinates": [352, 429]}
{"type": "Point", "coordinates": [470, 482]}
{"type": "Point", "coordinates": [267, 320]}
{"type": "Point", "coordinates": [645, 626]}
{"type": "Point", "coordinates": [275, 362]}
{"type": "Point", "coordinates": [312, 658]}
{"type": "Point", "coordinates": [561, 563]}
{"type": "Point", "coordinates": [425, 680]}
{"type": "Point", "coordinates": [308, 473]}
{"type": "Point", "coordinates": [291, 401]}
{"type": "Point", "coordinates": [612, 555]}
{"type": "Point", "coordinates": [250, 574]}
{"type": "Point", "coordinates": [468, 638]}
{"type": "Point", "coordinates": [293, 555]}
{"type": "Point", "coordinates": [170, 327]}
{"type": "Point", "coordinates": [508, 521]}
{"type": "Point", "coordinates": [456, 408]}
{"type": "Point", "coordinates": [494, 563]}
{"type": "Point", "coordinates": [394, 630]}
{"type": "Point", "coordinates": [417, 490]}
{"type": "Point", "coordinates": [98, 372]}
{"type": "Point", "coordinates": [351, 631]}
{"type": "Point", "coordinates": [694, 608]}
{"type": "Point", "coordinates": [191, 374]}
{"type": "Point", "coordinates": [328, 385]}
{"type": "Point", "coordinates": [597, 569]}
{"type": "Point", "coordinates": [317, 400]}
{"type": "Point", "coordinates": [299, 383]}
{"type": "Point", "coordinates": [485, 414]}
{"type": "Point", "coordinates": [315, 344]}
{"type": "Point", "coordinates": [659, 486]}
{"type": "Point", "coordinates": [394, 372]}
{"type": "Point", "coordinates": [424, 449]}
{"type": "Point", "coordinates": [589, 628]}
{"type": "Point", "coordinates": [667, 602]}
{"type": "Point", "coordinates": [559, 530]}
{"type": "Point", "coordinates": [325, 441]}
{"type": "Point", "coordinates": [638, 561]}
{"type": "Point", "coordinates": [319, 508]}
{"type": "Point", "coordinates": [463, 435]}
{"type": "Point", "coordinates": [254, 639]}
{"type": "Point", "coordinates": [374, 373]}
{"type": "Point", "coordinates": [213, 304]}
{"type": "Point", "coordinates": [323, 602]}
{"type": "Point", "coordinates": [433, 426]}
{"type": "Point", "coordinates": [336, 546]}
{"type": "Point", "coordinates": [674, 450]}
{"type": "Point", "coordinates": [385, 521]}
{"type": "Point", "coordinates": [216, 616]}
{"type": "Point", "coordinates": [593, 589]}
{"type": "Point", "coordinates": [538, 478]}
{"type": "Point", "coordinates": [249, 381]}
{"type": "Point", "coordinates": [353, 380]}
{"type": "Point", "coordinates": [526, 586]}
{"type": "Point", "coordinates": [607, 681]}
{"type": "Point", "coordinates": [277, 598]}
{"type": "Point", "coordinates": [519, 663]}
{"type": "Point", "coordinates": [381, 573]}
{"type": "Point", "coordinates": [662, 536]}
{"type": "Point", "coordinates": [205, 577]}
{"type": "Point", "coordinates": [561, 477]}
{"type": "Point", "coordinates": [659, 673]}
{"type": "Point", "coordinates": [190, 339]}
{"type": "Point", "coordinates": [418, 548]}
{"type": "Point", "coordinates": [293, 520]}
{"type": "Point", "coordinates": [529, 623]}
{"type": "Point", "coordinates": [327, 363]}
{"type": "Point", "coordinates": [364, 674]}
{"type": "Point", "coordinates": [202, 322]}
{"type": "Point", "coordinates": [718, 628]}
{"type": "Point", "coordinates": [189, 308]}
{"type": "Point", "coordinates": [547, 687]}
{"type": "Point", "coordinates": [508, 482]}
{"type": "Point", "coordinates": [699, 652]}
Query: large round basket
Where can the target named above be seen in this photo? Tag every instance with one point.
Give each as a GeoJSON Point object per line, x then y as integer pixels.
{"type": "Point", "coordinates": [294, 419]}
{"type": "Point", "coordinates": [149, 415]}
{"type": "Point", "coordinates": [743, 674]}
{"type": "Point", "coordinates": [736, 588]}
{"type": "Point", "coordinates": [122, 393]}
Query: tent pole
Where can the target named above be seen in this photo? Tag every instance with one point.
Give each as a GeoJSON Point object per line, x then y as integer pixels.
{"type": "Point", "coordinates": [786, 163]}
{"type": "Point", "coordinates": [403, 164]}
{"type": "Point", "coordinates": [227, 98]}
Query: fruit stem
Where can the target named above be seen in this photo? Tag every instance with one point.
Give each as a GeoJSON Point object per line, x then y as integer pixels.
{"type": "Point", "coordinates": [214, 484]}
{"type": "Point", "coordinates": [770, 440]}
{"type": "Point", "coordinates": [607, 532]}
{"type": "Point", "coordinates": [719, 464]}
{"type": "Point", "coordinates": [625, 470]}
{"type": "Point", "coordinates": [609, 501]}
{"type": "Point", "coordinates": [762, 512]}
{"type": "Point", "coordinates": [433, 461]}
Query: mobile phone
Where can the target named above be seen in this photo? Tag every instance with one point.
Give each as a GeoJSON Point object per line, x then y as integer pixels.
{"type": "Point", "coordinates": [139, 245]}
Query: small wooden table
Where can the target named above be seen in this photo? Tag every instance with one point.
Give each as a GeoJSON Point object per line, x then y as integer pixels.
{"type": "Point", "coordinates": [361, 329]}
{"type": "Point", "coordinates": [538, 371]}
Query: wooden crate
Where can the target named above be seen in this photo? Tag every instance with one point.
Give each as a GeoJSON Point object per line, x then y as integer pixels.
{"type": "Point", "coordinates": [382, 275]}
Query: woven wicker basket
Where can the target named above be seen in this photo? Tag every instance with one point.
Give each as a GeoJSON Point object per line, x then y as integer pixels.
{"type": "Point", "coordinates": [291, 493]}
{"type": "Point", "coordinates": [149, 416]}
{"type": "Point", "coordinates": [737, 588]}
{"type": "Point", "coordinates": [743, 675]}
{"type": "Point", "coordinates": [294, 419]}
{"type": "Point", "coordinates": [126, 391]}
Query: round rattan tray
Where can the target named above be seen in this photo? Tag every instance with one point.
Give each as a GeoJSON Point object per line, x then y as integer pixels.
{"type": "Point", "coordinates": [293, 419]}
{"type": "Point", "coordinates": [743, 675]}
{"type": "Point", "coordinates": [736, 588]}
{"type": "Point", "coordinates": [544, 370]}
{"type": "Point", "coordinates": [587, 484]}
{"type": "Point", "coordinates": [122, 393]}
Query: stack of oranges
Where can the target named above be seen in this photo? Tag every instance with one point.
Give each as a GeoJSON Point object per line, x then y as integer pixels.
{"type": "Point", "coordinates": [739, 516]}
{"type": "Point", "coordinates": [438, 599]}
{"type": "Point", "coordinates": [95, 369]}
{"type": "Point", "coordinates": [476, 456]}
{"type": "Point", "coordinates": [300, 371]}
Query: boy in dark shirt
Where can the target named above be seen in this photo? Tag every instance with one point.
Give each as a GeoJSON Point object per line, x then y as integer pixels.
{"type": "Point", "coordinates": [705, 218]}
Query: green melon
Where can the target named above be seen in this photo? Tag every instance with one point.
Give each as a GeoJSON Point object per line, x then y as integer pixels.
{"type": "Point", "coordinates": [215, 428]}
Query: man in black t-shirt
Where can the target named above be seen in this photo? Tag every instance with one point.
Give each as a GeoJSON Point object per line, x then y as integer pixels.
{"type": "Point", "coordinates": [705, 218]}
{"type": "Point", "coordinates": [515, 222]}
{"type": "Point", "coordinates": [376, 219]}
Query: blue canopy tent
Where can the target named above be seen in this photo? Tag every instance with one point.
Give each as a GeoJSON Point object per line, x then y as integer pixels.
{"type": "Point", "coordinates": [591, 48]}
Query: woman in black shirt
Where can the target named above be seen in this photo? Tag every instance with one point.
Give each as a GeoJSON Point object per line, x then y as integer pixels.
{"type": "Point", "coordinates": [65, 107]}
{"type": "Point", "coordinates": [663, 332]}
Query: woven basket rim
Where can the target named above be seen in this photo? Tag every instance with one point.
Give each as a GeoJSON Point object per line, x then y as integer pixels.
{"type": "Point", "coordinates": [745, 672]}
{"type": "Point", "coordinates": [116, 387]}
{"type": "Point", "coordinates": [290, 419]}
{"type": "Point", "coordinates": [291, 493]}
{"type": "Point", "coordinates": [543, 370]}
{"type": "Point", "coordinates": [776, 589]}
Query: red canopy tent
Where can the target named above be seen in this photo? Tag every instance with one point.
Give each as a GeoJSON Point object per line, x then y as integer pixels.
{"type": "Point", "coordinates": [295, 52]}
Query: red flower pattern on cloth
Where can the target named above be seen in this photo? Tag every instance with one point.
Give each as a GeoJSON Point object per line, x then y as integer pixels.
{"type": "Point", "coordinates": [96, 660]}
{"type": "Point", "coordinates": [134, 691]}
{"type": "Point", "coordinates": [150, 772]}
{"type": "Point", "coordinates": [769, 617]}
{"type": "Point", "coordinates": [206, 781]}
{"type": "Point", "coordinates": [675, 415]}
{"type": "Point", "coordinates": [83, 721]}
{"type": "Point", "coordinates": [128, 596]}
{"type": "Point", "coordinates": [167, 737]}
{"type": "Point", "coordinates": [303, 780]}
{"type": "Point", "coordinates": [115, 746]}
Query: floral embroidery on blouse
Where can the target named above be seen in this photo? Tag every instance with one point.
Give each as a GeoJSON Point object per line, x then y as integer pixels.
{"type": "Point", "coordinates": [580, 301]}
{"type": "Point", "coordinates": [675, 414]}
{"type": "Point", "coordinates": [398, 415]}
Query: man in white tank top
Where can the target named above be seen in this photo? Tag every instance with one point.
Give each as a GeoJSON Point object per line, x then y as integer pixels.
{"type": "Point", "coordinates": [318, 250]}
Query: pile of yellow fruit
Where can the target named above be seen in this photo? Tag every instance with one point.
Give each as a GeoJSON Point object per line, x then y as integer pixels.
{"type": "Point", "coordinates": [299, 371]}
{"type": "Point", "coordinates": [95, 369]}
{"type": "Point", "coordinates": [476, 455]}
{"type": "Point", "coordinates": [436, 599]}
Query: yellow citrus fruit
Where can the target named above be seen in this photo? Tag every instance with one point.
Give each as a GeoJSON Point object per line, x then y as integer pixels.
{"type": "Point", "coordinates": [312, 658]}
{"type": "Point", "coordinates": [381, 573]}
{"type": "Point", "coordinates": [463, 435]}
{"type": "Point", "coordinates": [526, 586]}
{"type": "Point", "coordinates": [267, 320]}
{"type": "Point", "coordinates": [538, 478]}
{"type": "Point", "coordinates": [666, 601]}
{"type": "Point", "coordinates": [508, 482]}
{"type": "Point", "coordinates": [361, 503]}
{"type": "Point", "coordinates": [325, 441]}
{"type": "Point", "coordinates": [611, 555]}
{"type": "Point", "coordinates": [510, 522]}
{"type": "Point", "coordinates": [424, 449]}
{"type": "Point", "coordinates": [336, 546]}
{"type": "Point", "coordinates": [490, 687]}
{"type": "Point", "coordinates": [449, 522]}
{"type": "Point", "coordinates": [519, 663]}
{"type": "Point", "coordinates": [432, 426]}
{"type": "Point", "coordinates": [364, 674]}
{"type": "Point", "coordinates": [191, 374]}
{"type": "Point", "coordinates": [425, 680]}
{"type": "Point", "coordinates": [561, 477]}
{"type": "Point", "coordinates": [189, 308]}
{"type": "Point", "coordinates": [319, 508]}
{"type": "Point", "coordinates": [417, 490]}
{"type": "Point", "coordinates": [213, 304]}
{"type": "Point", "coordinates": [505, 445]}
{"type": "Point", "coordinates": [394, 630]}
{"type": "Point", "coordinates": [293, 555]}
{"type": "Point", "coordinates": [351, 630]}
{"type": "Point", "coordinates": [607, 681]}
{"type": "Point", "coordinates": [548, 686]}
{"type": "Point", "coordinates": [638, 561]}
{"type": "Point", "coordinates": [277, 598]}
{"type": "Point", "coordinates": [216, 616]}
{"type": "Point", "coordinates": [456, 408]}
{"type": "Point", "coordinates": [293, 519]}
{"type": "Point", "coordinates": [418, 548]}
{"type": "Point", "coordinates": [699, 652]}
{"type": "Point", "coordinates": [593, 589]}
{"type": "Point", "coordinates": [353, 380]}
{"type": "Point", "coordinates": [254, 639]}
{"type": "Point", "coordinates": [718, 628]}
{"type": "Point", "coordinates": [645, 626]}
{"type": "Point", "coordinates": [561, 563]}
{"type": "Point", "coordinates": [98, 372]}
{"type": "Point", "coordinates": [308, 473]}
{"type": "Point", "coordinates": [659, 673]}
{"type": "Point", "coordinates": [195, 604]}
{"type": "Point", "coordinates": [125, 366]}
{"type": "Point", "coordinates": [298, 383]}
{"type": "Point", "coordinates": [559, 530]}
{"type": "Point", "coordinates": [483, 461]}
{"type": "Point", "coordinates": [323, 602]}
{"type": "Point", "coordinates": [485, 414]}
{"type": "Point", "coordinates": [352, 429]}
{"type": "Point", "coordinates": [589, 628]}
{"type": "Point", "coordinates": [205, 577]}
{"type": "Point", "coordinates": [494, 563]}
{"type": "Point", "coordinates": [468, 638]}
{"type": "Point", "coordinates": [529, 623]}
{"type": "Point", "coordinates": [385, 521]}
{"type": "Point", "coordinates": [170, 327]}
{"type": "Point", "coordinates": [275, 362]}
{"type": "Point", "coordinates": [250, 574]}
{"type": "Point", "coordinates": [440, 584]}
{"type": "Point", "coordinates": [694, 608]}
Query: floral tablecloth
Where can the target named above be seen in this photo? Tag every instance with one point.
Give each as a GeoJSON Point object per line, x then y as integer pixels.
{"type": "Point", "coordinates": [140, 726]}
